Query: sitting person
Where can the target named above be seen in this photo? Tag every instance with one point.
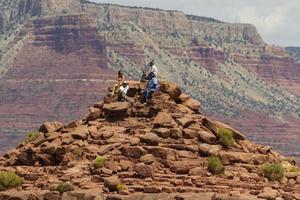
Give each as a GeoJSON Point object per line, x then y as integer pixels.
{"type": "Point", "coordinates": [120, 81]}
{"type": "Point", "coordinates": [123, 91]}
{"type": "Point", "coordinates": [152, 86]}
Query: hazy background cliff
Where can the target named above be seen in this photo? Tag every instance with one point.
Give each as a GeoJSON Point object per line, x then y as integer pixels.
{"type": "Point", "coordinates": [60, 56]}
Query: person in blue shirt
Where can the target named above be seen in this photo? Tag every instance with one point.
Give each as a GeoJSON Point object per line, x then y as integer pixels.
{"type": "Point", "coordinates": [152, 86]}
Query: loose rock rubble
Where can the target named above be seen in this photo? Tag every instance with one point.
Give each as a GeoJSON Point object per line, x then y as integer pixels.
{"type": "Point", "coordinates": [154, 151]}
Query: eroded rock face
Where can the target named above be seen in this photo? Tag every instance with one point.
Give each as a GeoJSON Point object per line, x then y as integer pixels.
{"type": "Point", "coordinates": [139, 157]}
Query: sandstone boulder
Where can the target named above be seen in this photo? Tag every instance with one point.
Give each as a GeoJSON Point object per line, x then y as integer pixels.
{"type": "Point", "coordinates": [116, 109]}
{"type": "Point", "coordinates": [192, 104]}
{"type": "Point", "coordinates": [240, 157]}
{"type": "Point", "coordinates": [170, 88]}
{"type": "Point", "coordinates": [144, 171]}
{"type": "Point", "coordinates": [134, 152]}
{"type": "Point", "coordinates": [94, 114]}
{"type": "Point", "coordinates": [184, 97]}
{"type": "Point", "coordinates": [80, 133]}
{"type": "Point", "coordinates": [214, 125]}
{"type": "Point", "coordinates": [185, 122]}
{"type": "Point", "coordinates": [206, 137]}
{"type": "Point", "coordinates": [50, 127]}
{"type": "Point", "coordinates": [150, 138]}
{"type": "Point", "coordinates": [164, 119]}
{"type": "Point", "coordinates": [207, 149]}
{"type": "Point", "coordinates": [111, 183]}
{"type": "Point", "coordinates": [268, 193]}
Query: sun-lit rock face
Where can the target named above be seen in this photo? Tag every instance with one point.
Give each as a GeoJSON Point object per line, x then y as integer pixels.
{"type": "Point", "coordinates": [61, 55]}
{"type": "Point", "coordinates": [126, 150]}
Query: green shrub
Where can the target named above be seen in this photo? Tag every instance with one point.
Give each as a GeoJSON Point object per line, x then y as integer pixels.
{"type": "Point", "coordinates": [225, 137]}
{"type": "Point", "coordinates": [274, 172]}
{"type": "Point", "coordinates": [99, 161]}
{"type": "Point", "coordinates": [215, 166]}
{"type": "Point", "coordinates": [8, 180]}
{"type": "Point", "coordinates": [120, 187]}
{"type": "Point", "coordinates": [64, 187]}
{"type": "Point", "coordinates": [31, 136]}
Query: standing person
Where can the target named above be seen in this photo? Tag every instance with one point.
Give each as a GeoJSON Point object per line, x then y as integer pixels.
{"type": "Point", "coordinates": [152, 86]}
{"type": "Point", "coordinates": [152, 69]}
{"type": "Point", "coordinates": [120, 81]}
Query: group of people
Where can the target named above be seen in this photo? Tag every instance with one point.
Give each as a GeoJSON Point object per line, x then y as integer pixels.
{"type": "Point", "coordinates": [150, 74]}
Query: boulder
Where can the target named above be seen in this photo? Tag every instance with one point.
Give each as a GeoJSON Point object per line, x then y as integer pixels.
{"type": "Point", "coordinates": [80, 133]}
{"type": "Point", "coordinates": [150, 138]}
{"type": "Point", "coordinates": [162, 153]}
{"type": "Point", "coordinates": [184, 97]}
{"type": "Point", "coordinates": [50, 127]}
{"type": "Point", "coordinates": [197, 171]}
{"type": "Point", "coordinates": [207, 149]}
{"type": "Point", "coordinates": [292, 175]}
{"type": "Point", "coordinates": [135, 88]}
{"type": "Point", "coordinates": [214, 125]}
{"type": "Point", "coordinates": [144, 171]}
{"type": "Point", "coordinates": [206, 137]}
{"type": "Point", "coordinates": [240, 157]}
{"type": "Point", "coordinates": [126, 165]}
{"type": "Point", "coordinates": [134, 152]}
{"type": "Point", "coordinates": [192, 104]}
{"type": "Point", "coordinates": [163, 119]}
{"type": "Point", "coordinates": [185, 122]}
{"type": "Point", "coordinates": [148, 159]}
{"type": "Point", "coordinates": [190, 133]}
{"type": "Point", "coordinates": [111, 183]}
{"type": "Point", "coordinates": [268, 193]}
{"type": "Point", "coordinates": [73, 124]}
{"type": "Point", "coordinates": [116, 109]}
{"type": "Point", "coordinates": [170, 88]}
{"type": "Point", "coordinates": [184, 166]}
{"type": "Point", "coordinates": [94, 114]}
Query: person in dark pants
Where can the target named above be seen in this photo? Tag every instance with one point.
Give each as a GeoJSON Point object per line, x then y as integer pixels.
{"type": "Point", "coordinates": [152, 86]}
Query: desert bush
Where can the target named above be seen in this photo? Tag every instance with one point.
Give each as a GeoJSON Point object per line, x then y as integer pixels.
{"type": "Point", "coordinates": [64, 187]}
{"type": "Point", "coordinates": [99, 161]}
{"type": "Point", "coordinates": [215, 166]}
{"type": "Point", "coordinates": [120, 187]}
{"type": "Point", "coordinates": [8, 180]}
{"type": "Point", "coordinates": [273, 171]}
{"type": "Point", "coordinates": [225, 137]}
{"type": "Point", "coordinates": [31, 136]}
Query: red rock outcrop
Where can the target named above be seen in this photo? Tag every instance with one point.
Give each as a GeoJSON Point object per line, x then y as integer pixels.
{"type": "Point", "coordinates": [154, 151]}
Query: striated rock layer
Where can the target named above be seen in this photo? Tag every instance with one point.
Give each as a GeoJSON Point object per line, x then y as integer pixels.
{"type": "Point", "coordinates": [155, 151]}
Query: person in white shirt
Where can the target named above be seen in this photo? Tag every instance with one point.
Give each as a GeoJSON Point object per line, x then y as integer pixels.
{"type": "Point", "coordinates": [150, 68]}
{"type": "Point", "coordinates": [153, 68]}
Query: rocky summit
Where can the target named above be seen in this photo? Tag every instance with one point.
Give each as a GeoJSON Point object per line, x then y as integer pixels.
{"type": "Point", "coordinates": [128, 150]}
{"type": "Point", "coordinates": [58, 56]}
